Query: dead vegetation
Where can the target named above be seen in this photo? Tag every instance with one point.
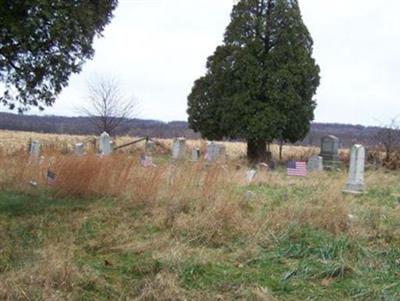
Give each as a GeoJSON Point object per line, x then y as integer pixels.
{"type": "Point", "coordinates": [190, 231]}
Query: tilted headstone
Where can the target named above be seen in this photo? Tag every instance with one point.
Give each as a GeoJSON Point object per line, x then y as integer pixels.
{"type": "Point", "coordinates": [79, 149]}
{"type": "Point", "coordinates": [250, 175]}
{"type": "Point", "coordinates": [330, 151]}
{"type": "Point", "coordinates": [215, 152]}
{"type": "Point", "coordinates": [149, 147]}
{"type": "Point", "coordinates": [105, 144]}
{"type": "Point", "coordinates": [34, 150]}
{"type": "Point", "coordinates": [196, 154]}
{"type": "Point", "coordinates": [179, 149]}
{"type": "Point", "coordinates": [315, 163]}
{"type": "Point", "coordinates": [355, 182]}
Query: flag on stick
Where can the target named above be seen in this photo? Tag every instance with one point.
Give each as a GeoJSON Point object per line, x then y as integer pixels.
{"type": "Point", "coordinates": [147, 161]}
{"type": "Point", "coordinates": [51, 178]}
{"type": "Point", "coordinates": [297, 169]}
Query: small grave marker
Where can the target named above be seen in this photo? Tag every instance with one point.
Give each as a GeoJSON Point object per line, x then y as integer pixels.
{"type": "Point", "coordinates": [250, 175]}
{"type": "Point", "coordinates": [315, 163]}
{"type": "Point", "coordinates": [79, 149]}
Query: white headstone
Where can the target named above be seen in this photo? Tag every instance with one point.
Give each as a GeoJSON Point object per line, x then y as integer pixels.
{"type": "Point", "coordinates": [79, 149]}
{"type": "Point", "coordinates": [179, 149]}
{"type": "Point", "coordinates": [355, 183]}
{"type": "Point", "coordinates": [195, 154]}
{"type": "Point", "coordinates": [215, 152]}
{"type": "Point", "coordinates": [34, 151]}
{"type": "Point", "coordinates": [149, 147]}
{"type": "Point", "coordinates": [250, 175]}
{"type": "Point", "coordinates": [105, 144]}
{"type": "Point", "coordinates": [315, 163]}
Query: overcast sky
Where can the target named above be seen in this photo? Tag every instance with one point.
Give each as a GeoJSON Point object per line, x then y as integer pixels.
{"type": "Point", "coordinates": [157, 48]}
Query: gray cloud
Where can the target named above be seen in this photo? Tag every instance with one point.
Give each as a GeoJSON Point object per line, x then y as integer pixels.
{"type": "Point", "coordinates": [158, 48]}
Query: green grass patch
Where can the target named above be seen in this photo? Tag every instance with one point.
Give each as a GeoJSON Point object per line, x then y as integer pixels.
{"type": "Point", "coordinates": [113, 258]}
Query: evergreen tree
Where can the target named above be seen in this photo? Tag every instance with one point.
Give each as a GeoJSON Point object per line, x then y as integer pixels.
{"type": "Point", "coordinates": [42, 42]}
{"type": "Point", "coordinates": [260, 83]}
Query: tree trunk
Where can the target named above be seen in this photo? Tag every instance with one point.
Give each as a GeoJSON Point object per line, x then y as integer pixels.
{"type": "Point", "coordinates": [280, 150]}
{"type": "Point", "coordinates": [257, 151]}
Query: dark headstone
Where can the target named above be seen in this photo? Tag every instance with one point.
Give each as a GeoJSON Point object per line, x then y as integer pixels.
{"type": "Point", "coordinates": [330, 151]}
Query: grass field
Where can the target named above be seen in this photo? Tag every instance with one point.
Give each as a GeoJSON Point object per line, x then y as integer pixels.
{"type": "Point", "coordinates": [112, 230]}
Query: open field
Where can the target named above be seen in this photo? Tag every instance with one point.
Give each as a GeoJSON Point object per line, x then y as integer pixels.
{"type": "Point", "coordinates": [13, 141]}
{"type": "Point", "coordinates": [110, 229]}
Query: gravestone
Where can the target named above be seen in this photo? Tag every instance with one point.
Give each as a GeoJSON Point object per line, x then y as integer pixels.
{"type": "Point", "coordinates": [179, 149]}
{"type": "Point", "coordinates": [330, 151]}
{"type": "Point", "coordinates": [249, 195]}
{"type": "Point", "coordinates": [195, 154]}
{"type": "Point", "coordinates": [105, 144]}
{"type": "Point", "coordinates": [315, 163]}
{"type": "Point", "coordinates": [215, 152]}
{"type": "Point", "coordinates": [79, 149]}
{"type": "Point", "coordinates": [34, 150]}
{"type": "Point", "coordinates": [250, 175]}
{"type": "Point", "coordinates": [149, 147]}
{"type": "Point", "coordinates": [355, 182]}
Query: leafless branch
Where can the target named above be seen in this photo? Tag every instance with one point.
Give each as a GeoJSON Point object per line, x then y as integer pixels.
{"type": "Point", "coordinates": [389, 137]}
{"type": "Point", "coordinates": [107, 106]}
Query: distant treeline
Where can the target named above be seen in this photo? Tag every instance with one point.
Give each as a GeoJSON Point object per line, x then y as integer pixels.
{"type": "Point", "coordinates": [348, 134]}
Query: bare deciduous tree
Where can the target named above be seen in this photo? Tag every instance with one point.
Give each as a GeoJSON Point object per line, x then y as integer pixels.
{"type": "Point", "coordinates": [107, 105]}
{"type": "Point", "coordinates": [389, 137]}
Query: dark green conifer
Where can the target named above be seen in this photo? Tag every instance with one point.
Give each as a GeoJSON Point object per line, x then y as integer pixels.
{"type": "Point", "coordinates": [260, 83]}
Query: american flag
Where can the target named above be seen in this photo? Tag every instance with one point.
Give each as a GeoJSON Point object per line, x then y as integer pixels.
{"type": "Point", "coordinates": [147, 161]}
{"type": "Point", "coordinates": [297, 168]}
{"type": "Point", "coordinates": [51, 178]}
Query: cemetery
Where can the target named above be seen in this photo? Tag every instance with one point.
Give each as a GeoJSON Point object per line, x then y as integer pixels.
{"type": "Point", "coordinates": [219, 150]}
{"type": "Point", "coordinates": [193, 220]}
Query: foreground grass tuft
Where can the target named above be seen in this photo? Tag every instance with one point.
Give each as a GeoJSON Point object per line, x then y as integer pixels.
{"type": "Point", "coordinates": [112, 249]}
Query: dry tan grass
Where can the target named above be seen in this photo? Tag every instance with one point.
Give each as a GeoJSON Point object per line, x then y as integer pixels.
{"type": "Point", "coordinates": [52, 144]}
{"type": "Point", "coordinates": [195, 210]}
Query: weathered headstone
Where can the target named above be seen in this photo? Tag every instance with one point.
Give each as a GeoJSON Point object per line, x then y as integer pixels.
{"type": "Point", "coordinates": [330, 151]}
{"type": "Point", "coordinates": [34, 150]}
{"type": "Point", "coordinates": [149, 147]}
{"type": "Point", "coordinates": [79, 149]}
{"type": "Point", "coordinates": [250, 175]}
{"type": "Point", "coordinates": [315, 163]}
{"type": "Point", "coordinates": [355, 182]}
{"type": "Point", "coordinates": [249, 195]}
{"type": "Point", "coordinates": [105, 144]}
{"type": "Point", "coordinates": [179, 149]}
{"type": "Point", "coordinates": [195, 154]}
{"type": "Point", "coordinates": [215, 152]}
